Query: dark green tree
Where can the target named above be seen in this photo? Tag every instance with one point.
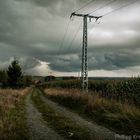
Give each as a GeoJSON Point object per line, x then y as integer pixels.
{"type": "Point", "coordinates": [25, 81]}
{"type": "Point", "coordinates": [28, 80]}
{"type": "Point", "coordinates": [3, 78]}
{"type": "Point", "coordinates": [14, 74]}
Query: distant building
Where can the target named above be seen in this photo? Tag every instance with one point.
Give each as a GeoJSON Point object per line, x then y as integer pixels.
{"type": "Point", "coordinates": [49, 78]}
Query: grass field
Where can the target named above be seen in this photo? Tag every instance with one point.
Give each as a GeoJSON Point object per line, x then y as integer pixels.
{"type": "Point", "coordinates": [12, 115]}
{"type": "Point", "coordinates": [112, 104]}
{"type": "Point", "coordinates": [122, 118]}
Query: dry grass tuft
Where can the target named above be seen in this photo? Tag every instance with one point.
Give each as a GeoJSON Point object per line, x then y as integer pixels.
{"type": "Point", "coordinates": [9, 97]}
{"type": "Point", "coordinates": [92, 99]}
{"type": "Point", "coordinates": [11, 112]}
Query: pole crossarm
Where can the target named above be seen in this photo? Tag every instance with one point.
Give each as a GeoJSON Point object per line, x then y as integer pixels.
{"type": "Point", "coordinates": [85, 15]}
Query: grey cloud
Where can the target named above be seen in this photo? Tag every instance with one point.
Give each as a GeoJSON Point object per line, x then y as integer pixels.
{"type": "Point", "coordinates": [101, 57]}
{"type": "Point", "coordinates": [28, 62]}
{"type": "Point", "coordinates": [54, 7]}
{"type": "Point", "coordinates": [35, 28]}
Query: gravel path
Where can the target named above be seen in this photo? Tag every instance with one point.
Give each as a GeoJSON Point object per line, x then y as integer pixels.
{"type": "Point", "coordinates": [37, 126]}
{"type": "Point", "coordinates": [99, 131]}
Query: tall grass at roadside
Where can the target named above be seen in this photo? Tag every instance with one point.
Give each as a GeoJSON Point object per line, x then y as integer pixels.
{"type": "Point", "coordinates": [122, 118]}
{"type": "Point", "coordinates": [12, 115]}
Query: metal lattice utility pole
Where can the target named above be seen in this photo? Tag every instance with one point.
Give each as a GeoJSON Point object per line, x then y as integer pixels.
{"type": "Point", "coordinates": [84, 67]}
{"type": "Point", "coordinates": [84, 56]}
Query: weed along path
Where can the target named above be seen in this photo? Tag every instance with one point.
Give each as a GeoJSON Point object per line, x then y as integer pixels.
{"type": "Point", "coordinates": [38, 128]}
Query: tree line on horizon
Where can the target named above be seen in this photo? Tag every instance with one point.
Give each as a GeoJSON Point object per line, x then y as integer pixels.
{"type": "Point", "coordinates": [13, 77]}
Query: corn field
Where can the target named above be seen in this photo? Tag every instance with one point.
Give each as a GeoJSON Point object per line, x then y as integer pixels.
{"type": "Point", "coordinates": [120, 90]}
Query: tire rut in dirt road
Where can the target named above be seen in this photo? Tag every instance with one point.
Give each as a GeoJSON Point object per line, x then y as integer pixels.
{"type": "Point", "coordinates": [99, 131]}
{"type": "Point", "coordinates": [38, 129]}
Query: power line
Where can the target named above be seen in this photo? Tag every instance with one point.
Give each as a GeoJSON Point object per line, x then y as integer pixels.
{"type": "Point", "coordinates": [74, 37]}
{"type": "Point", "coordinates": [84, 66]}
{"type": "Point", "coordinates": [85, 5]}
{"type": "Point", "coordinates": [102, 6]}
{"type": "Point", "coordinates": [126, 5]}
{"type": "Point", "coordinates": [63, 39]}
{"type": "Point", "coordinates": [78, 46]}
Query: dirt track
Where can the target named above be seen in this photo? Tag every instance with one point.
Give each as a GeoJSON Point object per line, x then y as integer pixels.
{"type": "Point", "coordinates": [39, 129]}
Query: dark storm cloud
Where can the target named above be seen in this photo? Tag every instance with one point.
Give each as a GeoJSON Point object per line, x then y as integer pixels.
{"type": "Point", "coordinates": [35, 28]}
{"type": "Point", "coordinates": [25, 63]}
{"type": "Point", "coordinates": [29, 62]}
{"type": "Point", "coordinates": [54, 7]}
{"type": "Point", "coordinates": [100, 59]}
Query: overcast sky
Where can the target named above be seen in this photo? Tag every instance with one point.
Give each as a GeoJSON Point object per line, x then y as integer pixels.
{"type": "Point", "coordinates": [33, 30]}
